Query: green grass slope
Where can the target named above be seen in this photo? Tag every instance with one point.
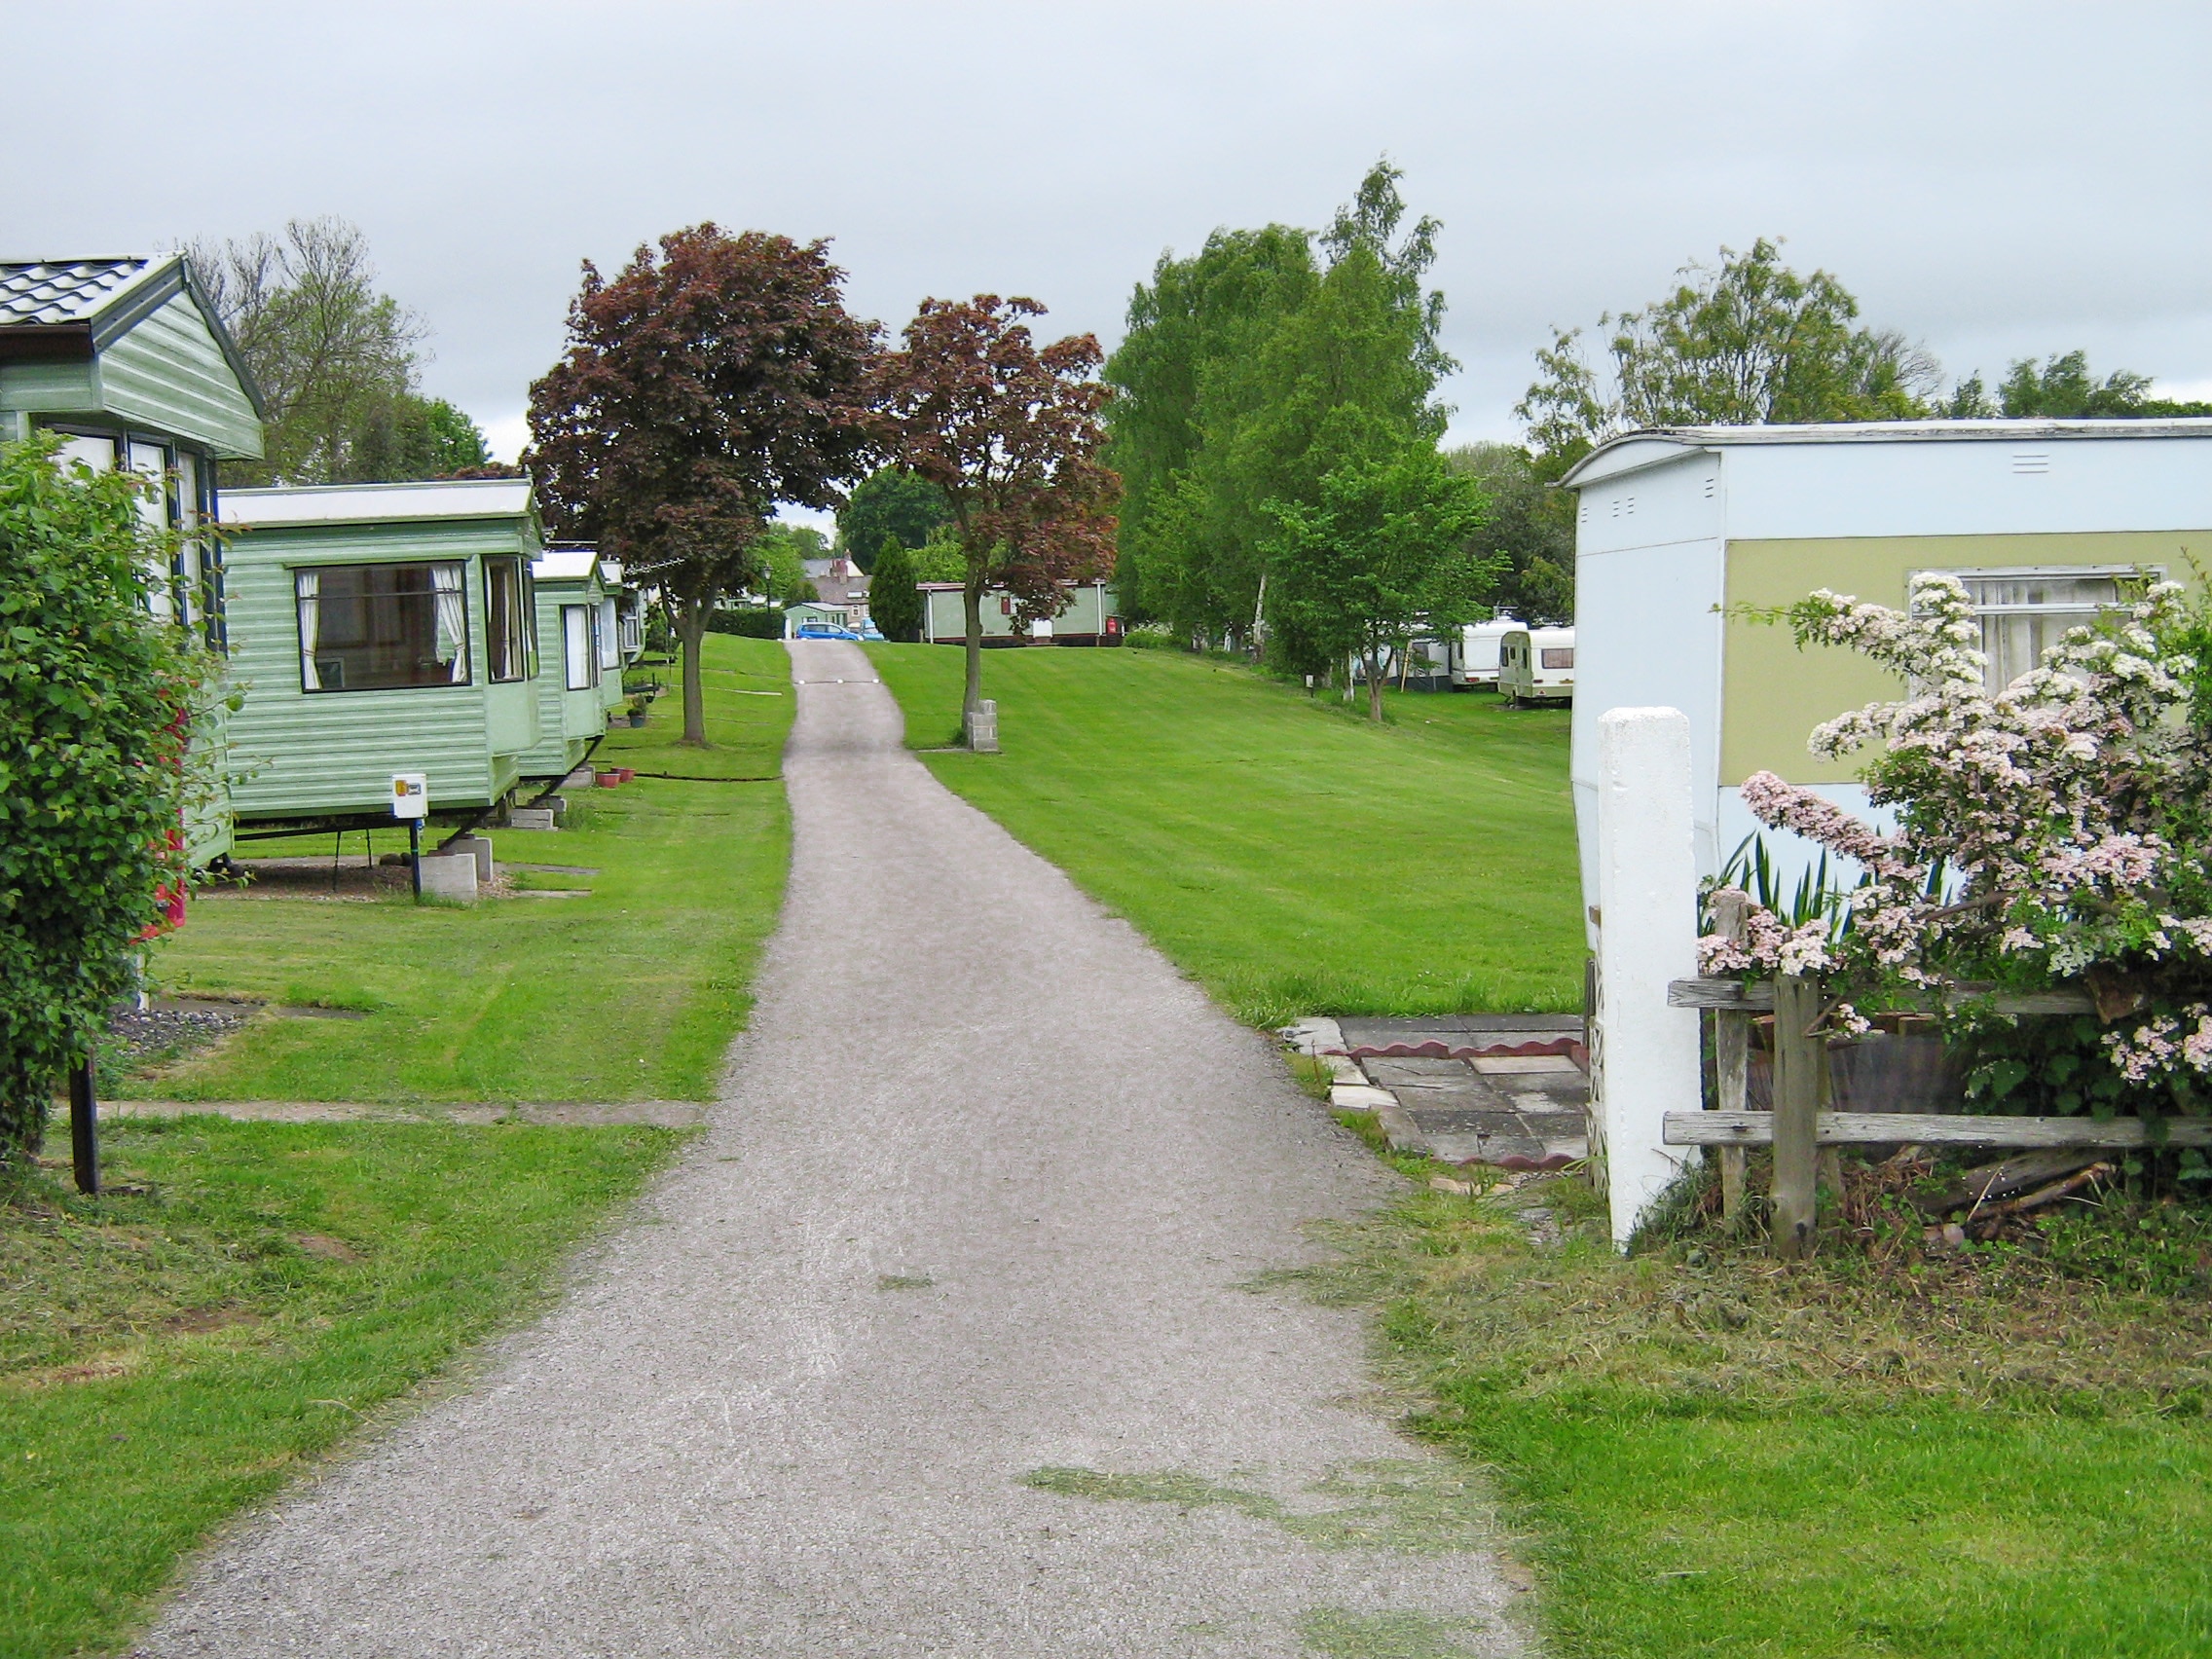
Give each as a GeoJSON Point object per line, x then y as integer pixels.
{"type": "Point", "coordinates": [1295, 858]}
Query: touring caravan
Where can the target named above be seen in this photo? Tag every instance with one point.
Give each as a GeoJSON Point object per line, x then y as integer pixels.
{"type": "Point", "coordinates": [1536, 664]}
{"type": "Point", "coordinates": [1474, 665]}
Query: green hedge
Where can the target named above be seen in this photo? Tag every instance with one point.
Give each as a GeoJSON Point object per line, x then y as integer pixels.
{"type": "Point", "coordinates": [764, 622]}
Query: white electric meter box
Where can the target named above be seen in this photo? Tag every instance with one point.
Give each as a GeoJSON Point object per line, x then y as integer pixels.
{"type": "Point", "coordinates": [410, 795]}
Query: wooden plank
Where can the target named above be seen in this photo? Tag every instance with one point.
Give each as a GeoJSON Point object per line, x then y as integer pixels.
{"type": "Point", "coordinates": [1947, 1128]}
{"type": "Point", "coordinates": [1732, 1059]}
{"type": "Point", "coordinates": [1758, 996]}
{"type": "Point", "coordinates": [1800, 1066]}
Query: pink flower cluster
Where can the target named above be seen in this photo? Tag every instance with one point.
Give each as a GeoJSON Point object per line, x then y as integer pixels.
{"type": "Point", "coordinates": [2031, 822]}
{"type": "Point", "coordinates": [2158, 1046]}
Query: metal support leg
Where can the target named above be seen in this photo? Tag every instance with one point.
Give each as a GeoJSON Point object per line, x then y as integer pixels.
{"type": "Point", "coordinates": [85, 1128]}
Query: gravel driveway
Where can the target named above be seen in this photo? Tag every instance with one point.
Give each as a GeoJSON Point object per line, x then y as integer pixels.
{"type": "Point", "coordinates": [934, 1343]}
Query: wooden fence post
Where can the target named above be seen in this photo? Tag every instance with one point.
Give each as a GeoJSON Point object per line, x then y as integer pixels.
{"type": "Point", "coordinates": [1731, 1060]}
{"type": "Point", "coordinates": [1798, 1061]}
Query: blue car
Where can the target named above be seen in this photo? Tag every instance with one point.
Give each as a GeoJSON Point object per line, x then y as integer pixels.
{"type": "Point", "coordinates": [823, 631]}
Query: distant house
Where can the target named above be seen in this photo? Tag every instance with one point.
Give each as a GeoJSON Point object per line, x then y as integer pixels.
{"type": "Point", "coordinates": [1090, 615]}
{"type": "Point", "coordinates": [126, 360]}
{"type": "Point", "coordinates": [2046, 522]}
{"type": "Point", "coordinates": [841, 591]}
{"type": "Point", "coordinates": [382, 628]}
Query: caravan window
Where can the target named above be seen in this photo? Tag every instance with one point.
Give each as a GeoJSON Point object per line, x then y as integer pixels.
{"type": "Point", "coordinates": [1558, 656]}
{"type": "Point", "coordinates": [2023, 613]}
{"type": "Point", "coordinates": [579, 645]}
{"type": "Point", "coordinates": [610, 635]}
{"type": "Point", "coordinates": [381, 627]}
{"type": "Point", "coordinates": [506, 619]}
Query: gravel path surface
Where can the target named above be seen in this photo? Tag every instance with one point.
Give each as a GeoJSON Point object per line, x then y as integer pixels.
{"type": "Point", "coordinates": [977, 1204]}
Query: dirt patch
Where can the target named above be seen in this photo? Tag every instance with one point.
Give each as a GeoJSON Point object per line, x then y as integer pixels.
{"type": "Point", "coordinates": [328, 1248]}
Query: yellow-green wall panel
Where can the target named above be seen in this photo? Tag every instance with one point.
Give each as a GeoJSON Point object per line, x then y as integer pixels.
{"type": "Point", "coordinates": [1775, 694]}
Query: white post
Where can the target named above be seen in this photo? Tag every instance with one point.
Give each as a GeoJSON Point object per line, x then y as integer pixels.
{"type": "Point", "coordinates": [1646, 935]}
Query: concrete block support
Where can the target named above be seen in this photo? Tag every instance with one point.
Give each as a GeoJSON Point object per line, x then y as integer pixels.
{"type": "Point", "coordinates": [449, 875]}
{"type": "Point", "coordinates": [477, 847]}
{"type": "Point", "coordinates": [983, 727]}
{"type": "Point", "coordinates": [1647, 1052]}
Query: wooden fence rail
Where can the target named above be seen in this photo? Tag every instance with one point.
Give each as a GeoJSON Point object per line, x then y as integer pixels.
{"type": "Point", "coordinates": [1799, 1128]}
{"type": "Point", "coordinates": [1938, 1128]}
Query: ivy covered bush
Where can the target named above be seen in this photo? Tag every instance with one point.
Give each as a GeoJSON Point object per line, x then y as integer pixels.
{"type": "Point", "coordinates": [98, 700]}
{"type": "Point", "coordinates": [2056, 833]}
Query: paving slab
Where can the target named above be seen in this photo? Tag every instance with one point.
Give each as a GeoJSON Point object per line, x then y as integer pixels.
{"type": "Point", "coordinates": [924, 1347]}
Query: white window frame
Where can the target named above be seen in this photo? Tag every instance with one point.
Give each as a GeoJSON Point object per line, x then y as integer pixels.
{"type": "Point", "coordinates": [579, 645]}
{"type": "Point", "coordinates": [2117, 574]}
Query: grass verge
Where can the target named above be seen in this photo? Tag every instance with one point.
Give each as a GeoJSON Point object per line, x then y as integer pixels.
{"type": "Point", "coordinates": [1294, 858]}
{"type": "Point", "coordinates": [1718, 1455]}
{"type": "Point", "coordinates": [171, 1355]}
{"type": "Point", "coordinates": [631, 992]}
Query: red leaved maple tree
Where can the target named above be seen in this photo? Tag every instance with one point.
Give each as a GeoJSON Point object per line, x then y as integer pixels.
{"type": "Point", "coordinates": [710, 381]}
{"type": "Point", "coordinates": [1011, 434]}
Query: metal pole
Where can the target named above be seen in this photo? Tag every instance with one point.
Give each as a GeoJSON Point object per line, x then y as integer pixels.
{"type": "Point", "coordinates": [85, 1127]}
{"type": "Point", "coordinates": [414, 855]}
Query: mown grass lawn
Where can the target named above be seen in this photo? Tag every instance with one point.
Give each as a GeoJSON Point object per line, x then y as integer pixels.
{"type": "Point", "coordinates": [1710, 1452]}
{"type": "Point", "coordinates": [630, 993]}
{"type": "Point", "coordinates": [249, 1293]}
{"type": "Point", "coordinates": [1292, 856]}
{"type": "Point", "coordinates": [169, 1357]}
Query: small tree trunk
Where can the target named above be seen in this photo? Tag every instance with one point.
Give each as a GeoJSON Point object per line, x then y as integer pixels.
{"type": "Point", "coordinates": [1374, 660]}
{"type": "Point", "coordinates": [972, 601]}
{"type": "Point", "coordinates": [691, 624]}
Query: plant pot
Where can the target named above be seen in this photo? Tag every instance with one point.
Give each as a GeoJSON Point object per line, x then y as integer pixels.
{"type": "Point", "coordinates": [610, 780]}
{"type": "Point", "coordinates": [637, 720]}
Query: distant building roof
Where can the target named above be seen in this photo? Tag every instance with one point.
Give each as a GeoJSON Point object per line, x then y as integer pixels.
{"type": "Point", "coordinates": [366, 504]}
{"type": "Point", "coordinates": [565, 564]}
{"type": "Point", "coordinates": [1618, 455]}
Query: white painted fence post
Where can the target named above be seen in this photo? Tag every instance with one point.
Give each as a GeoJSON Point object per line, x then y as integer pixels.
{"type": "Point", "coordinates": [1647, 1053]}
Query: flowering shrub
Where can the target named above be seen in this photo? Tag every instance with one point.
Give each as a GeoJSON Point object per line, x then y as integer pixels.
{"type": "Point", "coordinates": [2054, 832]}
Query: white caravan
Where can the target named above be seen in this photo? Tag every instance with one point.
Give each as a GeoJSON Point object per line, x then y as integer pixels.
{"type": "Point", "coordinates": [1536, 664]}
{"type": "Point", "coordinates": [1474, 665]}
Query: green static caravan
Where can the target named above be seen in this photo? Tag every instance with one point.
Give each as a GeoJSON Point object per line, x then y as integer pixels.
{"type": "Point", "coordinates": [579, 660]}
{"type": "Point", "coordinates": [381, 628]}
{"type": "Point", "coordinates": [1090, 615]}
{"type": "Point", "coordinates": [622, 613]}
{"type": "Point", "coordinates": [127, 363]}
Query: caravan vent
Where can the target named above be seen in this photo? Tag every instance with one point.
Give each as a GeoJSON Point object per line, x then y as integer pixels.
{"type": "Point", "coordinates": [1624, 506]}
{"type": "Point", "coordinates": [2031, 460]}
{"type": "Point", "coordinates": [1711, 488]}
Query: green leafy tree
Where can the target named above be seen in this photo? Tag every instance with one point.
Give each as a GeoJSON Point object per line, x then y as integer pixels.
{"type": "Point", "coordinates": [714, 378]}
{"type": "Point", "coordinates": [890, 502]}
{"type": "Point", "coordinates": [416, 437]}
{"type": "Point", "coordinates": [1530, 529]}
{"type": "Point", "coordinates": [1745, 343]}
{"type": "Point", "coordinates": [98, 702]}
{"type": "Point", "coordinates": [2063, 388]}
{"type": "Point", "coordinates": [783, 552]}
{"type": "Point", "coordinates": [1381, 554]}
{"type": "Point", "coordinates": [1183, 374]}
{"type": "Point", "coordinates": [894, 602]}
{"type": "Point", "coordinates": [1011, 432]}
{"type": "Point", "coordinates": [336, 358]}
{"type": "Point", "coordinates": [939, 560]}
{"type": "Point", "coordinates": [1235, 363]}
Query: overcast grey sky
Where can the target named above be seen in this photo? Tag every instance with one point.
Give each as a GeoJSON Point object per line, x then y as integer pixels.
{"type": "Point", "coordinates": [1994, 179]}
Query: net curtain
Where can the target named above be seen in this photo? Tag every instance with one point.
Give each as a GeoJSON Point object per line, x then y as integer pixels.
{"type": "Point", "coordinates": [453, 621]}
{"type": "Point", "coordinates": [308, 585]}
